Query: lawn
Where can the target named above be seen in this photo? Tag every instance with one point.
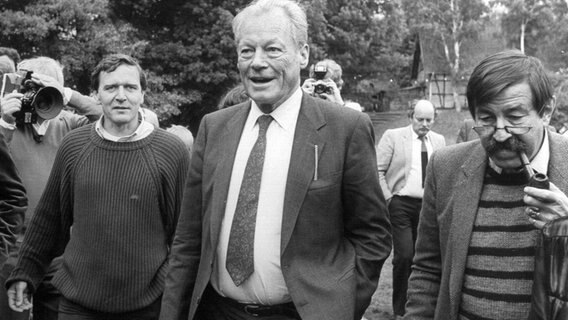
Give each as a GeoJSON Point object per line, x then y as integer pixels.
{"type": "Point", "coordinates": [447, 123]}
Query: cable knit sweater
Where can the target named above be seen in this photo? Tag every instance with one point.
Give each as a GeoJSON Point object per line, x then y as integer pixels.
{"type": "Point", "coordinates": [111, 209]}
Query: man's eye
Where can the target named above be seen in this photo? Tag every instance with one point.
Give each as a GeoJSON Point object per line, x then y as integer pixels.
{"type": "Point", "coordinates": [274, 51]}
{"type": "Point", "coordinates": [246, 53]}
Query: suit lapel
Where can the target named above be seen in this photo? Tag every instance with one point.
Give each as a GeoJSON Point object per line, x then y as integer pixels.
{"type": "Point", "coordinates": [228, 143]}
{"type": "Point", "coordinates": [557, 166]}
{"type": "Point", "coordinates": [407, 142]}
{"type": "Point", "coordinates": [302, 163]}
{"type": "Point", "coordinates": [468, 192]}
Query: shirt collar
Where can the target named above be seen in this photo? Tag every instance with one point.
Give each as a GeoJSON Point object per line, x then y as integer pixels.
{"type": "Point", "coordinates": [539, 162]}
{"type": "Point", "coordinates": [285, 115]}
{"type": "Point", "coordinates": [143, 130]}
{"type": "Point", "coordinates": [415, 135]}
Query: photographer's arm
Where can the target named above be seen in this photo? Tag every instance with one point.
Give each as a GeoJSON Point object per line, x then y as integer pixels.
{"type": "Point", "coordinates": [84, 105]}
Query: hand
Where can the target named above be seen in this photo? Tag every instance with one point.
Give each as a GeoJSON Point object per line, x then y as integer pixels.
{"type": "Point", "coordinates": [334, 96]}
{"type": "Point", "coordinates": [43, 80]}
{"type": "Point", "coordinates": [19, 298]}
{"type": "Point", "coordinates": [545, 205]}
{"type": "Point", "coordinates": [308, 86]}
{"type": "Point", "coordinates": [10, 104]}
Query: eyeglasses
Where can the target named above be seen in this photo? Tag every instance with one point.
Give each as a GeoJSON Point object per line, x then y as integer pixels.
{"type": "Point", "coordinates": [489, 130]}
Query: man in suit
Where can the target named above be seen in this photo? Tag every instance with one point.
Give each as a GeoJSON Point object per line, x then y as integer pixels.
{"type": "Point", "coordinates": [402, 155]}
{"type": "Point", "coordinates": [319, 225]}
{"type": "Point", "coordinates": [476, 245]}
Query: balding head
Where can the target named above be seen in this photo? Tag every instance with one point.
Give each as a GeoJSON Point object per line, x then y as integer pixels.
{"type": "Point", "coordinates": [422, 117]}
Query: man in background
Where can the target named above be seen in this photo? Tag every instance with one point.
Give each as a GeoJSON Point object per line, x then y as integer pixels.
{"type": "Point", "coordinates": [402, 156]}
{"type": "Point", "coordinates": [326, 81]}
{"type": "Point", "coordinates": [283, 216]}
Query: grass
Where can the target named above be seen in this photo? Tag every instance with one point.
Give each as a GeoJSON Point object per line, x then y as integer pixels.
{"type": "Point", "coordinates": [447, 123]}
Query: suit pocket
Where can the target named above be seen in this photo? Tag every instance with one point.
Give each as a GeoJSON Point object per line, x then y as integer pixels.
{"type": "Point", "coordinates": [326, 181]}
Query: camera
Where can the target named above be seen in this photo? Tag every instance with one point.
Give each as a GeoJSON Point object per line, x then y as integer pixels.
{"type": "Point", "coordinates": [319, 72]}
{"type": "Point", "coordinates": [45, 102]}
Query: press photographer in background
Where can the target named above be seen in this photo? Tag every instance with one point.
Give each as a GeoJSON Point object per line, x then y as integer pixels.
{"type": "Point", "coordinates": [34, 127]}
{"type": "Point", "coordinates": [326, 81]}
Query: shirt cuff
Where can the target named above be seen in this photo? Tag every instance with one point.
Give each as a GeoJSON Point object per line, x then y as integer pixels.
{"type": "Point", "coordinates": [6, 125]}
{"type": "Point", "coordinates": [67, 93]}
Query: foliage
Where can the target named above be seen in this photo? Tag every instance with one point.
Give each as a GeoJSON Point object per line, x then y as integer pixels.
{"type": "Point", "coordinates": [451, 22]}
{"type": "Point", "coordinates": [76, 32]}
{"type": "Point", "coordinates": [363, 36]}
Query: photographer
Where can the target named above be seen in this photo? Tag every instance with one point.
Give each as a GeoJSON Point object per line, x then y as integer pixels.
{"type": "Point", "coordinates": [325, 82]}
{"type": "Point", "coordinates": [33, 145]}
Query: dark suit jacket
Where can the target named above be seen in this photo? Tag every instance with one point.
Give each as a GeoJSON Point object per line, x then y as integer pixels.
{"type": "Point", "coordinates": [453, 187]}
{"type": "Point", "coordinates": [13, 202]}
{"type": "Point", "coordinates": [335, 232]}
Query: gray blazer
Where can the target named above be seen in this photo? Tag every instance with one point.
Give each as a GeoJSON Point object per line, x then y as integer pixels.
{"type": "Point", "coordinates": [394, 154]}
{"type": "Point", "coordinates": [453, 187]}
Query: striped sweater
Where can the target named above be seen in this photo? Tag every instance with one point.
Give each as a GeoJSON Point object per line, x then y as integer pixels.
{"type": "Point", "coordinates": [111, 209]}
{"type": "Point", "coordinates": [500, 261]}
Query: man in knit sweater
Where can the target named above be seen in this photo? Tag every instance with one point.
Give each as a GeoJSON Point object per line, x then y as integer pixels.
{"type": "Point", "coordinates": [33, 147]}
{"type": "Point", "coordinates": [475, 251]}
{"type": "Point", "coordinates": [110, 208]}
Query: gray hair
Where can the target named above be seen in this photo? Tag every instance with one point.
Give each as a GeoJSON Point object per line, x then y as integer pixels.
{"type": "Point", "coordinates": [43, 65]}
{"type": "Point", "coordinates": [292, 9]}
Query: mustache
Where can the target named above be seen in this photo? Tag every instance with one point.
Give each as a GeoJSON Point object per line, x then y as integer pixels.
{"type": "Point", "coordinates": [512, 144]}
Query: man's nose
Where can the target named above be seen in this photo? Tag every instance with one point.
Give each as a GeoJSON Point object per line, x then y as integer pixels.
{"type": "Point", "coordinates": [120, 94]}
{"type": "Point", "coordinates": [259, 59]}
{"type": "Point", "coordinates": [500, 133]}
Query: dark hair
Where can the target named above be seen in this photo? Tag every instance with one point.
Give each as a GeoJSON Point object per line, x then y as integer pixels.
{"type": "Point", "coordinates": [10, 53]}
{"type": "Point", "coordinates": [502, 70]}
{"type": "Point", "coordinates": [110, 63]}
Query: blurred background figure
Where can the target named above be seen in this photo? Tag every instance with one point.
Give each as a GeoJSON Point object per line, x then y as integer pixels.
{"type": "Point", "coordinates": [466, 132]}
{"type": "Point", "coordinates": [326, 81]}
{"type": "Point", "coordinates": [234, 96]}
{"type": "Point", "coordinates": [184, 134]}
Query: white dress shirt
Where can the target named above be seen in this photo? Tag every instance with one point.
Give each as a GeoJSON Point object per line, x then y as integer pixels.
{"type": "Point", "coordinates": [266, 285]}
{"type": "Point", "coordinates": [143, 130]}
{"type": "Point", "coordinates": [413, 187]}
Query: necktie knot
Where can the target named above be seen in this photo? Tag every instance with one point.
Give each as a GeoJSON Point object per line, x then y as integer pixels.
{"type": "Point", "coordinates": [263, 123]}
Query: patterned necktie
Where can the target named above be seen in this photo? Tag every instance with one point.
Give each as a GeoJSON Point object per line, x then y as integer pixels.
{"type": "Point", "coordinates": [240, 252]}
{"type": "Point", "coordinates": [424, 158]}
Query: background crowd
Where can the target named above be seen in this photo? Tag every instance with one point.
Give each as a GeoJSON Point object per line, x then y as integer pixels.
{"type": "Point", "coordinates": [284, 206]}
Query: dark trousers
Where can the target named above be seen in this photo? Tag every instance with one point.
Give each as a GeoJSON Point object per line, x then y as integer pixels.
{"type": "Point", "coordinates": [45, 299]}
{"type": "Point", "coordinates": [404, 213]}
{"type": "Point", "coordinates": [69, 310]}
{"type": "Point", "coordinates": [215, 307]}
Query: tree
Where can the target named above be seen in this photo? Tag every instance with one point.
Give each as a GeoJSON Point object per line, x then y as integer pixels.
{"type": "Point", "coordinates": [451, 22]}
{"type": "Point", "coordinates": [188, 50]}
{"type": "Point", "coordinates": [364, 36]}
{"type": "Point", "coordinates": [75, 32]}
{"type": "Point", "coordinates": [524, 18]}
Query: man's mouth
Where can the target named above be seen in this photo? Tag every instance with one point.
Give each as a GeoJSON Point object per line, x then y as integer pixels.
{"type": "Point", "coordinates": [260, 80]}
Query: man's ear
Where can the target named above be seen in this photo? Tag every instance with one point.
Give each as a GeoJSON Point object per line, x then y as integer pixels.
{"type": "Point", "coordinates": [304, 55]}
{"type": "Point", "coordinates": [548, 110]}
